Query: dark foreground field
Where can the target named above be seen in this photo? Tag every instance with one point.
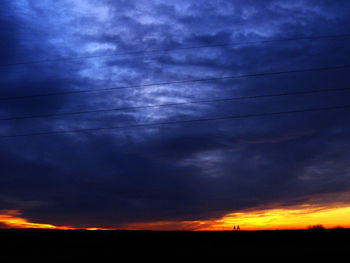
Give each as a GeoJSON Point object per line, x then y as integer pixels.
{"type": "Point", "coordinates": [50, 244]}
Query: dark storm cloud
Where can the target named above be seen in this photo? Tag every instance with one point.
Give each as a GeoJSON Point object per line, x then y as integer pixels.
{"type": "Point", "coordinates": [178, 172]}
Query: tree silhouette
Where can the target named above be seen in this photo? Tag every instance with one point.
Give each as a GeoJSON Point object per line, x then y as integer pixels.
{"type": "Point", "coordinates": [316, 227]}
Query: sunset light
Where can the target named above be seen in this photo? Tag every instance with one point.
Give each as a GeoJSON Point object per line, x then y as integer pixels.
{"type": "Point", "coordinates": [264, 219]}
{"type": "Point", "coordinates": [13, 219]}
{"type": "Point", "coordinates": [157, 124]}
{"type": "Point", "coordinates": [284, 219]}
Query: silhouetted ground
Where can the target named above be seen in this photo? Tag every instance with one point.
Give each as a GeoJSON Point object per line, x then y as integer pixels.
{"type": "Point", "coordinates": [63, 245]}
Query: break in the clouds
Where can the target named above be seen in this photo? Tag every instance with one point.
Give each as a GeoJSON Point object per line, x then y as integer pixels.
{"type": "Point", "coordinates": [193, 171]}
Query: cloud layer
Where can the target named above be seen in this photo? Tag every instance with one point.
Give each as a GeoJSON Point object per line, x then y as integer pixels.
{"type": "Point", "coordinates": [197, 171]}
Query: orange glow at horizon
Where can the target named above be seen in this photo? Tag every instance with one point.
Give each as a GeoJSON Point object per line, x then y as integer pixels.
{"type": "Point", "coordinates": [12, 219]}
{"type": "Point", "coordinates": [282, 219]}
{"type": "Point", "coordinates": [261, 219]}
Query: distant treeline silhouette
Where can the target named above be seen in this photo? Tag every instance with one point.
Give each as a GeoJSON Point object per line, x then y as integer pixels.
{"type": "Point", "coordinates": [316, 227]}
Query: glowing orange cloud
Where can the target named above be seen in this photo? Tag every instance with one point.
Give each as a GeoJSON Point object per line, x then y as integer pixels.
{"type": "Point", "coordinates": [328, 210]}
{"type": "Point", "coordinates": [12, 219]}
{"type": "Point", "coordinates": [269, 219]}
{"type": "Point", "coordinates": [273, 219]}
{"type": "Point", "coordinates": [330, 215]}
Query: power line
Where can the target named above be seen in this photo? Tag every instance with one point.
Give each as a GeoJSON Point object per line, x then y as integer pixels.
{"type": "Point", "coordinates": [177, 122]}
{"type": "Point", "coordinates": [179, 82]}
{"type": "Point", "coordinates": [173, 49]}
{"type": "Point", "coordinates": [173, 104]}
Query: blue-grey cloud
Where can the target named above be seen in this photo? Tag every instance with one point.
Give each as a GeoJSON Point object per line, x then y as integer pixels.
{"type": "Point", "coordinates": [175, 172]}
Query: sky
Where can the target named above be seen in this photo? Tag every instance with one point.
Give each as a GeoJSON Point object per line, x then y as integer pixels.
{"type": "Point", "coordinates": [269, 172]}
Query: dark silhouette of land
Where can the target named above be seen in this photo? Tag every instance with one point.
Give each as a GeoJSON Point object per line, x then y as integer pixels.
{"type": "Point", "coordinates": [58, 244]}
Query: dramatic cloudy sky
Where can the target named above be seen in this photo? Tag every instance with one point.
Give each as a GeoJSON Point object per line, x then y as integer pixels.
{"type": "Point", "coordinates": [178, 172]}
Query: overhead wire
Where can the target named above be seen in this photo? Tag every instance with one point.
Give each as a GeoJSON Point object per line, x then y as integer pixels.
{"type": "Point", "coordinates": [143, 125]}
{"type": "Point", "coordinates": [50, 115]}
{"type": "Point", "coordinates": [139, 125]}
{"type": "Point", "coordinates": [249, 75]}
